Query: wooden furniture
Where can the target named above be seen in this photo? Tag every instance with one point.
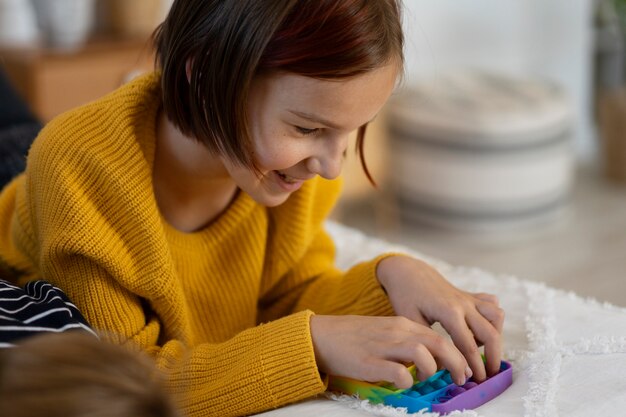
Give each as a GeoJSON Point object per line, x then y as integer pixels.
{"type": "Point", "coordinates": [55, 81]}
{"type": "Point", "coordinates": [612, 124]}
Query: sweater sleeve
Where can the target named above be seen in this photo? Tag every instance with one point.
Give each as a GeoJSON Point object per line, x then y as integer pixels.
{"type": "Point", "coordinates": [261, 368]}
{"type": "Point", "coordinates": [315, 283]}
{"type": "Point", "coordinates": [301, 271]}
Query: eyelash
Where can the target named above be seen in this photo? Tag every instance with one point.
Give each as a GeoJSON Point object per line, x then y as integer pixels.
{"type": "Point", "coordinates": [304, 131]}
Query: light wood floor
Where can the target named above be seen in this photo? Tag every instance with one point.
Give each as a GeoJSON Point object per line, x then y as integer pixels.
{"type": "Point", "coordinates": [583, 251]}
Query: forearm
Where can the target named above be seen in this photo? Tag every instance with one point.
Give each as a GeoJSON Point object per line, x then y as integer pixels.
{"type": "Point", "coordinates": [259, 369]}
{"type": "Point", "coordinates": [320, 287]}
{"type": "Point", "coordinates": [356, 291]}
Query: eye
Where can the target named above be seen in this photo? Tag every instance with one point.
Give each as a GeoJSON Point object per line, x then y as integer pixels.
{"type": "Point", "coordinates": [305, 131]}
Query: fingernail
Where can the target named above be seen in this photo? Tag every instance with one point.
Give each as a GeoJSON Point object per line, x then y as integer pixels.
{"type": "Point", "coordinates": [468, 372]}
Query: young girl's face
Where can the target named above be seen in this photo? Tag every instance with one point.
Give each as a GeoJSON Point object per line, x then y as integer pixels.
{"type": "Point", "coordinates": [300, 127]}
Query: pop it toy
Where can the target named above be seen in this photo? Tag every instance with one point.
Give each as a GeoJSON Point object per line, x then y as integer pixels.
{"type": "Point", "coordinates": [438, 393]}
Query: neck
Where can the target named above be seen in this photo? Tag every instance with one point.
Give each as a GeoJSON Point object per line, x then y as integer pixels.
{"type": "Point", "coordinates": [191, 184]}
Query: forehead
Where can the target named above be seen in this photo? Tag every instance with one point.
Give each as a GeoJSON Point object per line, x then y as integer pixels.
{"type": "Point", "coordinates": [347, 103]}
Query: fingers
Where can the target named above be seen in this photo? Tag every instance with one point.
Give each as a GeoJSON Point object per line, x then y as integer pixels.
{"type": "Point", "coordinates": [426, 348]}
{"type": "Point", "coordinates": [450, 358]}
{"type": "Point", "coordinates": [484, 324]}
{"type": "Point", "coordinates": [471, 324]}
{"type": "Point", "coordinates": [376, 348]}
{"type": "Point", "coordinates": [464, 340]}
{"type": "Point", "coordinates": [416, 353]}
{"type": "Point", "coordinates": [444, 353]}
{"type": "Point", "coordinates": [406, 342]}
{"type": "Point", "coordinates": [490, 336]}
{"type": "Point", "coordinates": [384, 370]}
{"type": "Point", "coordinates": [489, 298]}
{"type": "Point", "coordinates": [493, 314]}
{"type": "Point", "coordinates": [492, 340]}
{"type": "Point", "coordinates": [489, 308]}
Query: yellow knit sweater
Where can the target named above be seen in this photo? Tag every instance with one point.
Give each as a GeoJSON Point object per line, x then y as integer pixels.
{"type": "Point", "coordinates": [84, 217]}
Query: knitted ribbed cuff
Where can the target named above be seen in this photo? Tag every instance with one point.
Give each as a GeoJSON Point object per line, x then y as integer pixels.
{"type": "Point", "coordinates": [288, 358]}
{"type": "Point", "coordinates": [264, 367]}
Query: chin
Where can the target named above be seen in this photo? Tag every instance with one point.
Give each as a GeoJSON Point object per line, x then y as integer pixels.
{"type": "Point", "coordinates": [276, 201]}
{"type": "Point", "coordinates": [268, 200]}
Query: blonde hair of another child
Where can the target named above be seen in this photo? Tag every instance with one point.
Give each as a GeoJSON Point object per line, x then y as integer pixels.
{"type": "Point", "coordinates": [76, 375]}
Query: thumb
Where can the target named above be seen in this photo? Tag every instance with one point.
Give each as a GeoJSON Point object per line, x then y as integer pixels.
{"type": "Point", "coordinates": [394, 372]}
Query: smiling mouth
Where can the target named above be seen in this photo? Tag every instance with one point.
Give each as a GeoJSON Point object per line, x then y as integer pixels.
{"type": "Point", "coordinates": [287, 178]}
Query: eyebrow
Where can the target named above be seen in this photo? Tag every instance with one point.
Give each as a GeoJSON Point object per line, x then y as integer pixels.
{"type": "Point", "coordinates": [317, 119]}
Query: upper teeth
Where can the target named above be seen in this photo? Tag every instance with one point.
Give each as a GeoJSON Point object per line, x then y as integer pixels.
{"type": "Point", "coordinates": [286, 177]}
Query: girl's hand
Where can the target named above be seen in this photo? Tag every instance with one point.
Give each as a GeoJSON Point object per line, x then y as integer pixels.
{"type": "Point", "coordinates": [374, 348]}
{"type": "Point", "coordinates": [418, 292]}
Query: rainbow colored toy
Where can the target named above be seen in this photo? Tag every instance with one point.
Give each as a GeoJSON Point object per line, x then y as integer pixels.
{"type": "Point", "coordinates": [438, 393]}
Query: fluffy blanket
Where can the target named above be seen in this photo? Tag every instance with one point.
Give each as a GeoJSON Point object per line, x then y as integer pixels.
{"type": "Point", "coordinates": [568, 353]}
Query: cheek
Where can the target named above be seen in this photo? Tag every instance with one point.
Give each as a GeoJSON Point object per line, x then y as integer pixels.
{"type": "Point", "coordinates": [279, 151]}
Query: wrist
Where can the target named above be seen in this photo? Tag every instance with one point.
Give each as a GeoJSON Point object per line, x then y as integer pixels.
{"type": "Point", "coordinates": [314, 324]}
{"type": "Point", "coordinates": [385, 268]}
{"type": "Point", "coordinates": [395, 266]}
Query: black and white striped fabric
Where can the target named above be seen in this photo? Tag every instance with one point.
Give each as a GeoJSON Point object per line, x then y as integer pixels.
{"type": "Point", "coordinates": [36, 308]}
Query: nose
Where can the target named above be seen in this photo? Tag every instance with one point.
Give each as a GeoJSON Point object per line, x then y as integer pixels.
{"type": "Point", "coordinates": [328, 158]}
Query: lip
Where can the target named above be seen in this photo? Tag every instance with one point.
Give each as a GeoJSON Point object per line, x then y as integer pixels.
{"type": "Point", "coordinates": [287, 186]}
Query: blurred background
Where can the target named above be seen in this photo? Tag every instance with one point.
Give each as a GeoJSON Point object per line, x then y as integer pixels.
{"type": "Point", "coordinates": [503, 148]}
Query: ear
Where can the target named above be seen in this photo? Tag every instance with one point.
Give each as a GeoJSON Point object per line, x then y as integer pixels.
{"type": "Point", "coordinates": [188, 65]}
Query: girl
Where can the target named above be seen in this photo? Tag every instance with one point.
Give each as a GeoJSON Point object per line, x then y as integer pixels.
{"type": "Point", "coordinates": [185, 211]}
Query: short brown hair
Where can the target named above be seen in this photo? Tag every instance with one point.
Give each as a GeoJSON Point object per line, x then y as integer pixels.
{"type": "Point", "coordinates": [228, 43]}
{"type": "Point", "coordinates": [74, 374]}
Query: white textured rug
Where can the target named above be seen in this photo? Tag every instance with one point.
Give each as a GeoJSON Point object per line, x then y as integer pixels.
{"type": "Point", "coordinates": [568, 353]}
